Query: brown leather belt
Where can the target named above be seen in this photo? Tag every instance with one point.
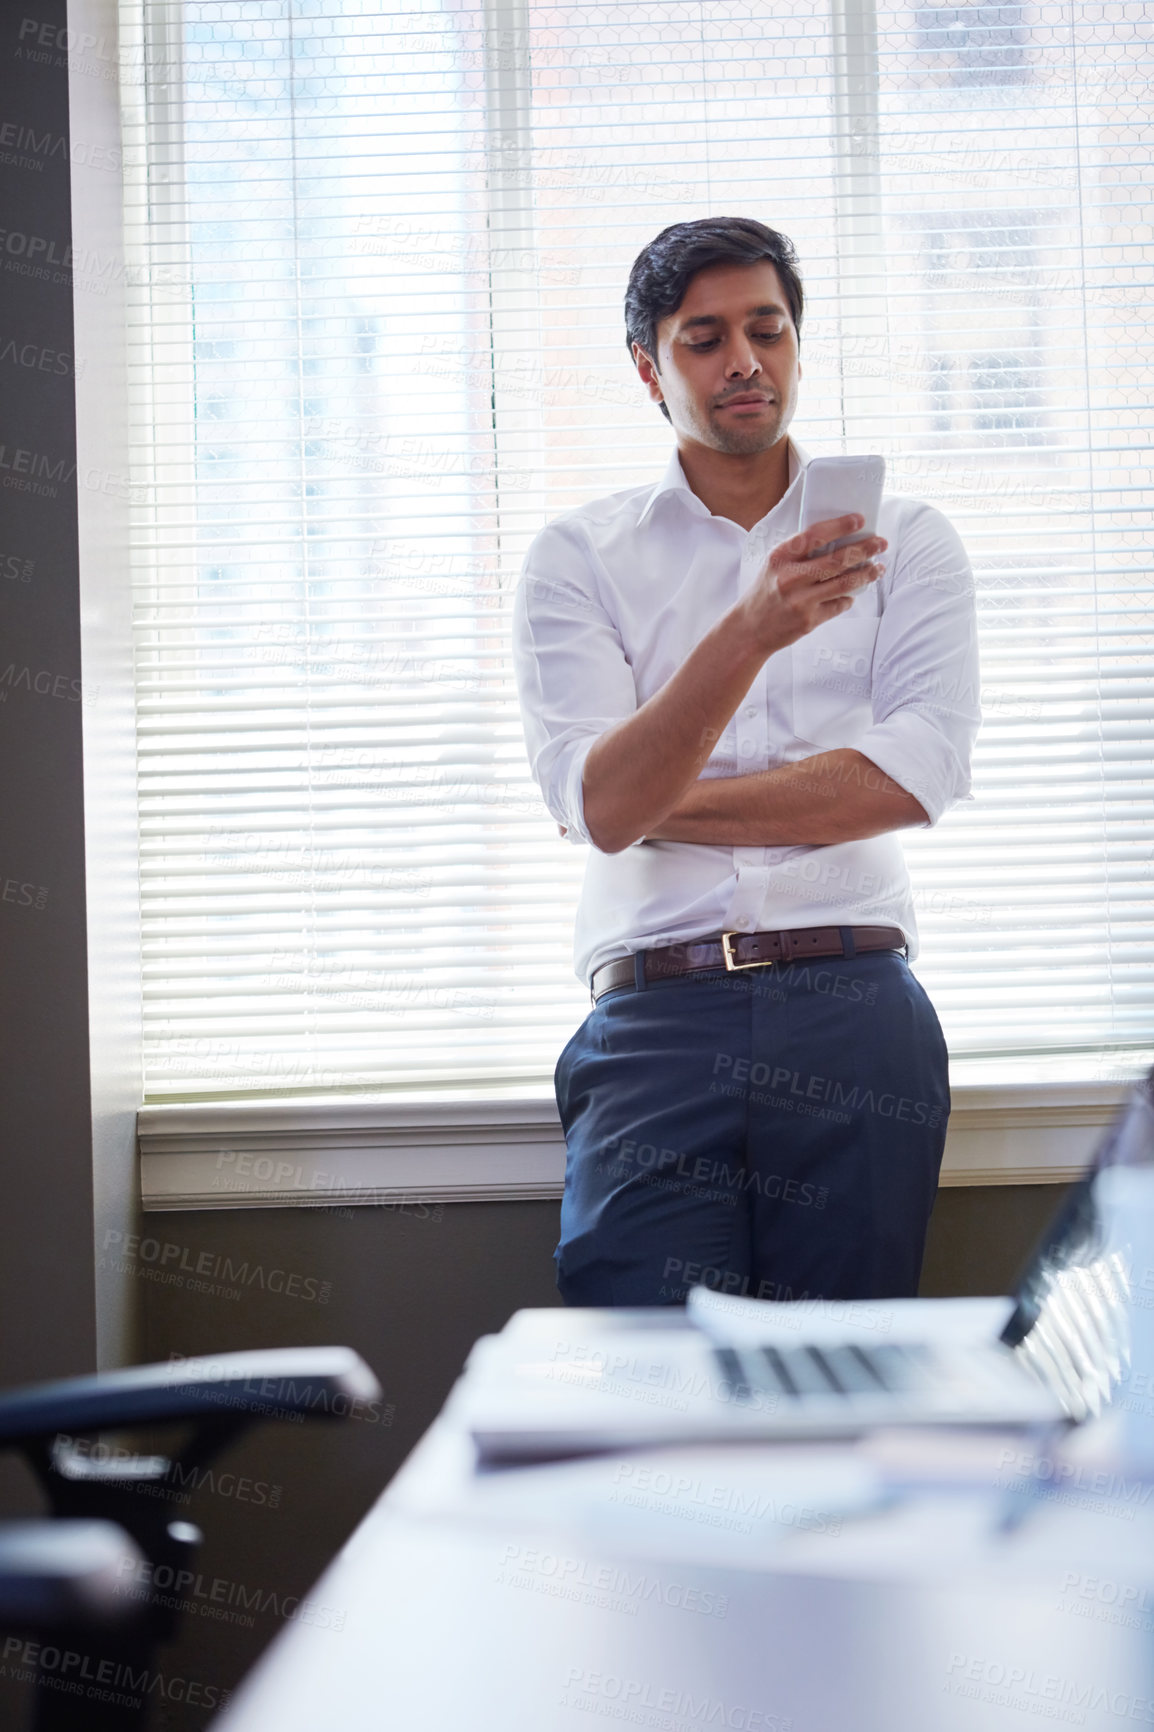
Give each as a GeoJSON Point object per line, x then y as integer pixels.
{"type": "Point", "coordinates": [738, 950]}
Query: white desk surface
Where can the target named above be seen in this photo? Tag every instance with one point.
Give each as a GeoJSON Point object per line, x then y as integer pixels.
{"type": "Point", "coordinates": [753, 1587]}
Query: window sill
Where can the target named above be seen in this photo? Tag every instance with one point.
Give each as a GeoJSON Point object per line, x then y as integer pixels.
{"type": "Point", "coordinates": [319, 1154]}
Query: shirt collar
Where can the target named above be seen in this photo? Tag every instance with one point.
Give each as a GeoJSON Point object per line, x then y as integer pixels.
{"type": "Point", "coordinates": [674, 482]}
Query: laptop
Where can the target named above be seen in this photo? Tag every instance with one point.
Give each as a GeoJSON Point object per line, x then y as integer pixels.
{"type": "Point", "coordinates": [556, 1383]}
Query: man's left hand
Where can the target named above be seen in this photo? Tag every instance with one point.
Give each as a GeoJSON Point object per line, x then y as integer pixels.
{"type": "Point", "coordinates": [838, 796]}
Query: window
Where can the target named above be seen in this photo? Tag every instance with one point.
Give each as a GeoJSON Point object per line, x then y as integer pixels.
{"type": "Point", "coordinates": [974, 45]}
{"type": "Point", "coordinates": [376, 341]}
{"type": "Point", "coordinates": [983, 280]}
{"type": "Point", "coordinates": [1004, 395]}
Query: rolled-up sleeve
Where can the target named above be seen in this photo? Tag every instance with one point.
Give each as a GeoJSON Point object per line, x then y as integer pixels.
{"type": "Point", "coordinates": [926, 676]}
{"type": "Point", "coordinates": [573, 679]}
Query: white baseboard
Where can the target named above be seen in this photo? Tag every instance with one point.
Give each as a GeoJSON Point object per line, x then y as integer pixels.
{"type": "Point", "coordinates": [318, 1154]}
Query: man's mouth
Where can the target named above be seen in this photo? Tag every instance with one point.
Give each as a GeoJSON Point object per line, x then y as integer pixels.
{"type": "Point", "coordinates": [748, 401]}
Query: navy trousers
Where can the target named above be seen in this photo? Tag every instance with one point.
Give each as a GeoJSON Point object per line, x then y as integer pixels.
{"type": "Point", "coordinates": [776, 1133]}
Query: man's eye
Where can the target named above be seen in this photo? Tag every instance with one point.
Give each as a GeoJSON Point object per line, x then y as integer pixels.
{"type": "Point", "coordinates": [759, 336]}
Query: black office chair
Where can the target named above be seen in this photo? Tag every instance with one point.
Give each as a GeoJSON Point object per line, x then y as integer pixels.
{"type": "Point", "coordinates": [65, 1575]}
{"type": "Point", "coordinates": [89, 1682]}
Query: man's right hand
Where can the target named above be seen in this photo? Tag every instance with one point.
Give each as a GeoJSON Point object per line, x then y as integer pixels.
{"type": "Point", "coordinates": [796, 592]}
{"type": "Point", "coordinates": [637, 771]}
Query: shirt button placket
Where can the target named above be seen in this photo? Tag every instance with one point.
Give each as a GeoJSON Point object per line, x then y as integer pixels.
{"type": "Point", "coordinates": [750, 729]}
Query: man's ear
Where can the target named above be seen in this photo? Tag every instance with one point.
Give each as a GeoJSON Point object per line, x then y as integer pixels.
{"type": "Point", "coordinates": [647, 369]}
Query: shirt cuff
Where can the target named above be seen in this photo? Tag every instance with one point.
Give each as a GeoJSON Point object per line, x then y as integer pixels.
{"type": "Point", "coordinates": [573, 793]}
{"type": "Point", "coordinates": [912, 753]}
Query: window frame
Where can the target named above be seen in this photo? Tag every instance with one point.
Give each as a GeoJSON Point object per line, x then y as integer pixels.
{"type": "Point", "coordinates": [487, 1146]}
{"type": "Point", "coordinates": [334, 1155]}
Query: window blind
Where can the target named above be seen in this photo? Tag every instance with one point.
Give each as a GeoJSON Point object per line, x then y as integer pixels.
{"type": "Point", "coordinates": [377, 258]}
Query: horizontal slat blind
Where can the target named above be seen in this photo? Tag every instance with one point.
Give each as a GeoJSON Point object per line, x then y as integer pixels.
{"type": "Point", "coordinates": [1014, 170]}
{"type": "Point", "coordinates": [376, 337]}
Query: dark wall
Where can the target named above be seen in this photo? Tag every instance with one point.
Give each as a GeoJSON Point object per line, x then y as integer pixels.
{"type": "Point", "coordinates": [46, 1271]}
{"type": "Point", "coordinates": [47, 1312]}
{"type": "Point", "coordinates": [411, 1289]}
{"type": "Point", "coordinates": [981, 1236]}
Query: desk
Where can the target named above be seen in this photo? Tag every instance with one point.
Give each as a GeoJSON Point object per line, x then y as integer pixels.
{"type": "Point", "coordinates": [754, 1588]}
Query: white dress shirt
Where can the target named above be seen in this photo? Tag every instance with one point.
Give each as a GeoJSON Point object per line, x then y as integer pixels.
{"type": "Point", "coordinates": [613, 598]}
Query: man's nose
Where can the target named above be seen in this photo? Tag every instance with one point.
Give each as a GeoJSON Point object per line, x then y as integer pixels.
{"type": "Point", "coordinates": [740, 361]}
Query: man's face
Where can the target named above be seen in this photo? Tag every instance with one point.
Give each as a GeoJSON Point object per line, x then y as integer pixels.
{"type": "Point", "coordinates": [728, 360]}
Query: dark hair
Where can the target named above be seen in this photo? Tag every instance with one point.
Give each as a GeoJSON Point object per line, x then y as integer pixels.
{"type": "Point", "coordinates": [661, 274]}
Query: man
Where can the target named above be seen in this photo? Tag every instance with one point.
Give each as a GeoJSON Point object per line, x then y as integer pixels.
{"type": "Point", "coordinates": [758, 1099]}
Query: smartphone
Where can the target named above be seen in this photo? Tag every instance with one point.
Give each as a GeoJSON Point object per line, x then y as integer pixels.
{"type": "Point", "coordinates": [831, 486]}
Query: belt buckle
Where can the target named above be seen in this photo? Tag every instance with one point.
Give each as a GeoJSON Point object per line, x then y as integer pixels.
{"type": "Point", "coordinates": [731, 964]}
